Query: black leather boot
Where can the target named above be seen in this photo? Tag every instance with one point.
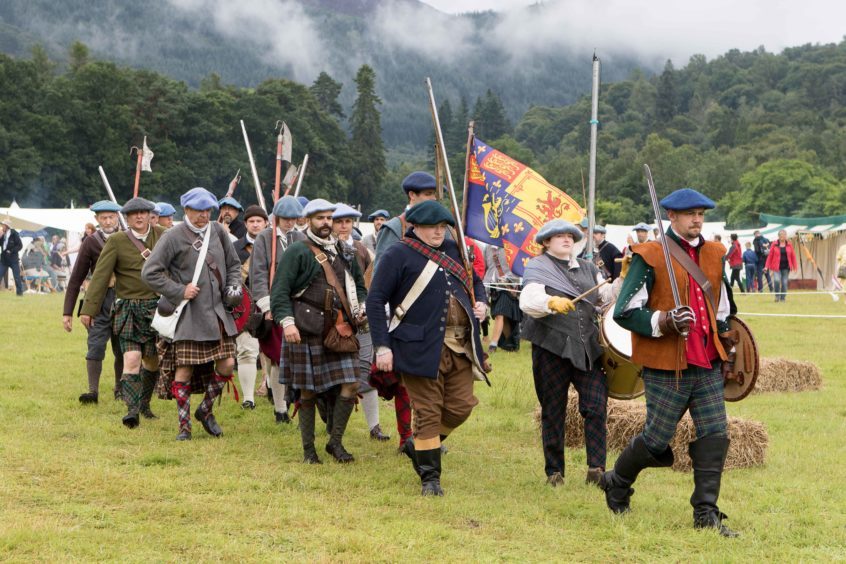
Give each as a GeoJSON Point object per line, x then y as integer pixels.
{"type": "Point", "coordinates": [306, 415]}
{"type": "Point", "coordinates": [617, 482]}
{"type": "Point", "coordinates": [340, 417]}
{"type": "Point", "coordinates": [131, 391]}
{"type": "Point", "coordinates": [708, 456]}
{"type": "Point", "coordinates": [408, 450]}
{"type": "Point", "coordinates": [429, 463]}
{"type": "Point", "coordinates": [148, 385]}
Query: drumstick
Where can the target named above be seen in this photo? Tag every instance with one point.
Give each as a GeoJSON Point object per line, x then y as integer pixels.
{"type": "Point", "coordinates": [580, 296]}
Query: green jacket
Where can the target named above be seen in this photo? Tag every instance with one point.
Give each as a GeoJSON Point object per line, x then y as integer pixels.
{"type": "Point", "coordinates": [297, 269]}
{"type": "Point", "coordinates": [639, 275]}
{"type": "Point", "coordinates": [121, 258]}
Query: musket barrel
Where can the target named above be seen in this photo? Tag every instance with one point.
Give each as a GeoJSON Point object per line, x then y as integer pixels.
{"type": "Point", "coordinates": [300, 175]}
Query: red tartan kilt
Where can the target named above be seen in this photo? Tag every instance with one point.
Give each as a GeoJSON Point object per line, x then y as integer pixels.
{"type": "Point", "coordinates": [271, 346]}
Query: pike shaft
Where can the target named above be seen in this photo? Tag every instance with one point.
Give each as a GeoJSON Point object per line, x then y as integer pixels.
{"type": "Point", "coordinates": [300, 175]}
{"type": "Point", "coordinates": [259, 196]}
{"type": "Point", "coordinates": [456, 211]}
{"type": "Point", "coordinates": [111, 195]}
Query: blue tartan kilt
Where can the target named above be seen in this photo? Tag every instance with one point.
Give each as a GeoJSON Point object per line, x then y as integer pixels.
{"type": "Point", "coordinates": [308, 365]}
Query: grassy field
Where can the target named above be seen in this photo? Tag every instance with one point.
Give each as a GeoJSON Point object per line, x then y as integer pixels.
{"type": "Point", "coordinates": [76, 485]}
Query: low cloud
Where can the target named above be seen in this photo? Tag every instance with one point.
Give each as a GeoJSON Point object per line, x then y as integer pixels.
{"type": "Point", "coordinates": [282, 30]}
{"type": "Point", "coordinates": [419, 28]}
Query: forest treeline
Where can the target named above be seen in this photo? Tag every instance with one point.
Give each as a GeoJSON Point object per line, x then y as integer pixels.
{"type": "Point", "coordinates": [756, 131]}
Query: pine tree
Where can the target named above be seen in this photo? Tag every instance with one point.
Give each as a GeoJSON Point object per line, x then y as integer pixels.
{"type": "Point", "coordinates": [326, 92]}
{"type": "Point", "coordinates": [78, 55]}
{"type": "Point", "coordinates": [368, 167]}
{"type": "Point", "coordinates": [490, 118]}
{"type": "Point", "coordinates": [666, 103]}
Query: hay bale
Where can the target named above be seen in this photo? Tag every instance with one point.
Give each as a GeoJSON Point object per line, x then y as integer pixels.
{"type": "Point", "coordinates": [749, 439]}
{"type": "Point", "coordinates": [785, 375]}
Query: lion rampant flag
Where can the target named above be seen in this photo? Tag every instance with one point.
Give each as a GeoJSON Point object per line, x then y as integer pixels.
{"type": "Point", "coordinates": [508, 202]}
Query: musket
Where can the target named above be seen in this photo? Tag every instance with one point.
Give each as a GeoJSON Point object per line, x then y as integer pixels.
{"type": "Point", "coordinates": [111, 195]}
{"type": "Point", "coordinates": [259, 196]}
{"type": "Point", "coordinates": [300, 175]}
{"type": "Point", "coordinates": [456, 211]}
{"type": "Point", "coordinates": [662, 237]}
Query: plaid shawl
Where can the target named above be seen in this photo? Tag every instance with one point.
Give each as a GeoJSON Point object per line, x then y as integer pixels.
{"type": "Point", "coordinates": [441, 259]}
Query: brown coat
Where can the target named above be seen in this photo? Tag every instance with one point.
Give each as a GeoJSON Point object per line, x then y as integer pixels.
{"type": "Point", "coordinates": [662, 353]}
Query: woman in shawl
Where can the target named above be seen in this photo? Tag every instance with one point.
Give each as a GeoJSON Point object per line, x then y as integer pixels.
{"type": "Point", "coordinates": [565, 344]}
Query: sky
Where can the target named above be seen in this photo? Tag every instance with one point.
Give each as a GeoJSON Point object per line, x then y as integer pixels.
{"type": "Point", "coordinates": [679, 28]}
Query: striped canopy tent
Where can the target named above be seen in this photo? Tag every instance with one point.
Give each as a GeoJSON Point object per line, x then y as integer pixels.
{"type": "Point", "coordinates": [821, 236]}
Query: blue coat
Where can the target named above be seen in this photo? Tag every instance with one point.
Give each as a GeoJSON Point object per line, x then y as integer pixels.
{"type": "Point", "coordinates": [418, 341]}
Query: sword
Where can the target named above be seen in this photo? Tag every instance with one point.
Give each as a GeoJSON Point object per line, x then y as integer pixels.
{"type": "Point", "coordinates": [662, 238]}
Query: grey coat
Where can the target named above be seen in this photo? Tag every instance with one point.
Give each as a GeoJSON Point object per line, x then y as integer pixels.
{"type": "Point", "coordinates": [171, 267]}
{"type": "Point", "coordinates": [260, 264]}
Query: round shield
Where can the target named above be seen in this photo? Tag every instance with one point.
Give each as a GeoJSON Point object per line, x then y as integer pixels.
{"type": "Point", "coordinates": [746, 363]}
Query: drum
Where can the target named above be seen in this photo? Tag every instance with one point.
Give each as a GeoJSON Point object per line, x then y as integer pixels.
{"type": "Point", "coordinates": [624, 381]}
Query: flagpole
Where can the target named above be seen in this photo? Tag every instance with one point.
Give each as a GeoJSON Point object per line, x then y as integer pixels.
{"type": "Point", "coordinates": [594, 123]}
{"type": "Point", "coordinates": [259, 196]}
{"type": "Point", "coordinates": [470, 136]}
{"type": "Point", "coordinates": [462, 243]}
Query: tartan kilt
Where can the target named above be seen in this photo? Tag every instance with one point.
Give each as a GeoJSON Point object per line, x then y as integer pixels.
{"type": "Point", "coordinates": [506, 305]}
{"type": "Point", "coordinates": [308, 365]}
{"type": "Point", "coordinates": [199, 354]}
{"type": "Point", "coordinates": [132, 324]}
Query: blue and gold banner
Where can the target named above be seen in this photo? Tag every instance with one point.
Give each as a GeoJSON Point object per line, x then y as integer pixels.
{"type": "Point", "coordinates": [507, 202]}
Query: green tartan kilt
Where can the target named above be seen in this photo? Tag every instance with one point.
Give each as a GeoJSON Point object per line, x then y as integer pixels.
{"type": "Point", "coordinates": [132, 323]}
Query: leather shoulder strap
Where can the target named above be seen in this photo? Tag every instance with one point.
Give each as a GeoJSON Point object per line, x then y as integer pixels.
{"type": "Point", "coordinates": [415, 292]}
{"type": "Point", "coordinates": [145, 252]}
{"type": "Point", "coordinates": [323, 261]}
{"type": "Point", "coordinates": [693, 269]}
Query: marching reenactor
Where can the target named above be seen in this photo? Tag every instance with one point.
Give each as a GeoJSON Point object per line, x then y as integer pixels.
{"type": "Point", "coordinates": [419, 187]}
{"type": "Point", "coordinates": [606, 253]}
{"type": "Point", "coordinates": [433, 340]}
{"type": "Point", "coordinates": [565, 345]}
{"type": "Point", "coordinates": [302, 222]}
{"type": "Point", "coordinates": [230, 209]}
{"type": "Point", "coordinates": [318, 299]}
{"type": "Point", "coordinates": [166, 214]}
{"type": "Point", "coordinates": [123, 256]}
{"type": "Point", "coordinates": [205, 331]}
{"type": "Point", "coordinates": [377, 218]}
{"type": "Point", "coordinates": [286, 211]}
{"type": "Point", "coordinates": [100, 332]}
{"type": "Point", "coordinates": [505, 304]}
{"type": "Point", "coordinates": [342, 225]}
{"type": "Point", "coordinates": [685, 351]}
{"type": "Point", "coordinates": [247, 346]}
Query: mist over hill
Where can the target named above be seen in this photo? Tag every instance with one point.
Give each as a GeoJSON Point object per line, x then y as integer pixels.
{"type": "Point", "coordinates": [248, 42]}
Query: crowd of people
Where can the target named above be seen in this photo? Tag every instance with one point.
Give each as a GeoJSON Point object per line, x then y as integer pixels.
{"type": "Point", "coordinates": [334, 319]}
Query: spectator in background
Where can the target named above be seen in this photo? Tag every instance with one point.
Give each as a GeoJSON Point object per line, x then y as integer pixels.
{"type": "Point", "coordinates": [33, 267]}
{"type": "Point", "coordinates": [735, 261]}
{"type": "Point", "coordinates": [761, 246]}
{"type": "Point", "coordinates": [750, 261]}
{"type": "Point", "coordinates": [782, 261]}
{"type": "Point", "coordinates": [10, 246]}
{"type": "Point", "coordinates": [44, 250]}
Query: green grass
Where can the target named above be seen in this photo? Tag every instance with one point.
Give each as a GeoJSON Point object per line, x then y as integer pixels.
{"type": "Point", "coordinates": [76, 485]}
